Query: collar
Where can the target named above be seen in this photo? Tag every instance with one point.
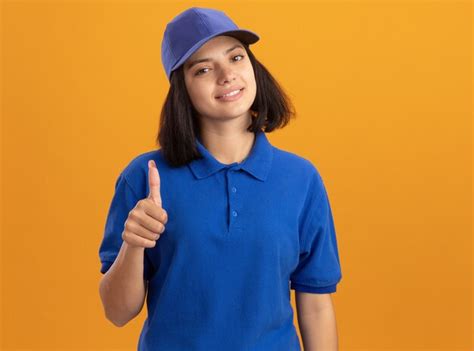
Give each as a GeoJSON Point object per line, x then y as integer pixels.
{"type": "Point", "coordinates": [257, 163]}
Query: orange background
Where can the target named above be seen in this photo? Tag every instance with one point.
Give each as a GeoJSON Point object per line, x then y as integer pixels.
{"type": "Point", "coordinates": [383, 93]}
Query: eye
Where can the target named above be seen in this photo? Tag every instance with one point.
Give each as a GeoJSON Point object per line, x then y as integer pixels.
{"type": "Point", "coordinates": [198, 72]}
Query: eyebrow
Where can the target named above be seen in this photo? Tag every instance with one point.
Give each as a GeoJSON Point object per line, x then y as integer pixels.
{"type": "Point", "coordinates": [194, 62]}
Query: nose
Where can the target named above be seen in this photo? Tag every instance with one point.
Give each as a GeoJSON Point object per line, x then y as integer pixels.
{"type": "Point", "coordinates": [226, 75]}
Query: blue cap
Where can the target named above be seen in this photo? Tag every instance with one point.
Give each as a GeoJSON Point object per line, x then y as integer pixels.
{"type": "Point", "coordinates": [189, 30]}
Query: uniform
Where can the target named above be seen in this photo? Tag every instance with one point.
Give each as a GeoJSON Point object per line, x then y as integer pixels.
{"type": "Point", "coordinates": [239, 236]}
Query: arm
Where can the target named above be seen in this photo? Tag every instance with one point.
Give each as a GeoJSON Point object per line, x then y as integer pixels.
{"type": "Point", "coordinates": [317, 321]}
{"type": "Point", "coordinates": [122, 288]}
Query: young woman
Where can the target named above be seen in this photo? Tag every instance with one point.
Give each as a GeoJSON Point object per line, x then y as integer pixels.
{"type": "Point", "coordinates": [215, 227]}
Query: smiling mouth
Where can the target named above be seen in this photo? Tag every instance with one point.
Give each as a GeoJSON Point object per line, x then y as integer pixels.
{"type": "Point", "coordinates": [236, 92]}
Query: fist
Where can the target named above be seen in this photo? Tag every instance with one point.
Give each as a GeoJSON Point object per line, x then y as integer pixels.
{"type": "Point", "coordinates": [146, 221]}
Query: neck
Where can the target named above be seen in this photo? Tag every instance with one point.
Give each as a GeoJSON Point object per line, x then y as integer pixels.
{"type": "Point", "coordinates": [230, 146]}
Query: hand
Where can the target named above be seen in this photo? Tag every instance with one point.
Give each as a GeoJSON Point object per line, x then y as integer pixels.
{"type": "Point", "coordinates": [146, 221]}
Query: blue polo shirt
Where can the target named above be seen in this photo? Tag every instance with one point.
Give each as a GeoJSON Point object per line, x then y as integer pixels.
{"type": "Point", "coordinates": [239, 236]}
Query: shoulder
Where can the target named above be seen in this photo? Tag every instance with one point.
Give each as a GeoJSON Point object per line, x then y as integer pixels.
{"type": "Point", "coordinates": [301, 175]}
{"type": "Point", "coordinates": [135, 170]}
{"type": "Point", "coordinates": [297, 167]}
{"type": "Point", "coordinates": [139, 163]}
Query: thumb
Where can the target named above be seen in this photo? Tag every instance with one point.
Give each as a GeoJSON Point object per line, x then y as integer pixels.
{"type": "Point", "coordinates": [154, 183]}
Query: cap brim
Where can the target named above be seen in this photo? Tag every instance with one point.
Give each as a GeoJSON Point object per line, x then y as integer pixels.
{"type": "Point", "coordinates": [244, 35]}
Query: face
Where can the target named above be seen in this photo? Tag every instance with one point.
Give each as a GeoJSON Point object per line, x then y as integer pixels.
{"type": "Point", "coordinates": [218, 67]}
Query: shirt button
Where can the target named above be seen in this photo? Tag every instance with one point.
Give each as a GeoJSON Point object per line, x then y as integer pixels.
{"type": "Point", "coordinates": [234, 189]}
{"type": "Point", "coordinates": [234, 213]}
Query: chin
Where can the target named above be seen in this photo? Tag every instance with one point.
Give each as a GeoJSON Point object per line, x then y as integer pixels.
{"type": "Point", "coordinates": [234, 114]}
{"type": "Point", "coordinates": [234, 110]}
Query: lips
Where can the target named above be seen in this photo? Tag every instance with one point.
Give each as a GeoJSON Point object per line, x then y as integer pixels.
{"type": "Point", "coordinates": [228, 91]}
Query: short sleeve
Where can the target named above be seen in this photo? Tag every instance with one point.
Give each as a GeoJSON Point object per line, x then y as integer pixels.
{"type": "Point", "coordinates": [319, 269]}
{"type": "Point", "coordinates": [123, 201]}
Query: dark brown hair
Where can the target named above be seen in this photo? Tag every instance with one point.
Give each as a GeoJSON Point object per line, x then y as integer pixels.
{"type": "Point", "coordinates": [179, 125]}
